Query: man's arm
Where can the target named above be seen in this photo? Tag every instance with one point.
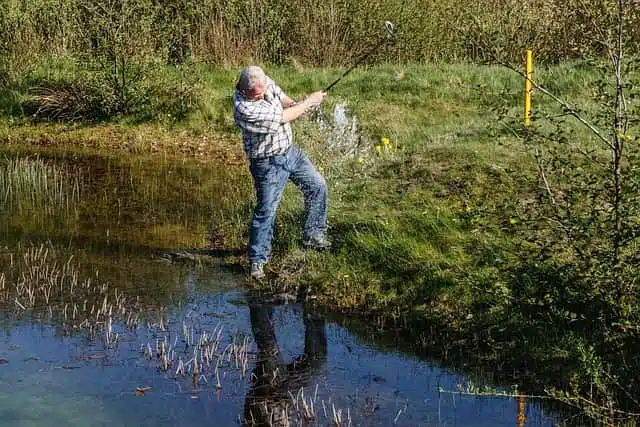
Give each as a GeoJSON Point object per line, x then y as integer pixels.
{"type": "Point", "coordinates": [287, 102]}
{"type": "Point", "coordinates": [297, 109]}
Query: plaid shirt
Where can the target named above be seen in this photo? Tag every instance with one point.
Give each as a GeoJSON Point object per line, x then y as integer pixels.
{"type": "Point", "coordinates": [259, 121]}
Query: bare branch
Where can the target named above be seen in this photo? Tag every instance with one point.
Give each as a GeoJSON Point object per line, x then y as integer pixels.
{"type": "Point", "coordinates": [544, 178]}
{"type": "Point", "coordinates": [568, 108]}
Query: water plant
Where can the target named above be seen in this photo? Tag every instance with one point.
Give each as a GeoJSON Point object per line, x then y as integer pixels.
{"type": "Point", "coordinates": [33, 185]}
{"type": "Point", "coordinates": [43, 283]}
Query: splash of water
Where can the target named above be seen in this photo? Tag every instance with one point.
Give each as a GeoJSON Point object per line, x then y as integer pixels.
{"type": "Point", "coordinates": [343, 132]}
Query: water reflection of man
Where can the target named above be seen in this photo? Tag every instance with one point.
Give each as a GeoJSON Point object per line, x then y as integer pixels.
{"type": "Point", "coordinates": [268, 399]}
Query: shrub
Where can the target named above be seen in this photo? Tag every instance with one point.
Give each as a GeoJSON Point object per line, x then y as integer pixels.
{"type": "Point", "coordinates": [329, 32]}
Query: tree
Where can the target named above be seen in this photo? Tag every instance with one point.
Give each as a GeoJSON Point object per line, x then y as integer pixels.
{"type": "Point", "coordinates": [583, 227]}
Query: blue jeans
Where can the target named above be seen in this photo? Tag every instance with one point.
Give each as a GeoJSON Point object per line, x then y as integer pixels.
{"type": "Point", "coordinates": [270, 176]}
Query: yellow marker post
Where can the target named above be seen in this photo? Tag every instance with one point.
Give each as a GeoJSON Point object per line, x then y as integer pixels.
{"type": "Point", "coordinates": [528, 88]}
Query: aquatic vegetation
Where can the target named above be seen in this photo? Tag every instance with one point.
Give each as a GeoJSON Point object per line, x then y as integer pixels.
{"type": "Point", "coordinates": [299, 410]}
{"type": "Point", "coordinates": [218, 361]}
{"type": "Point", "coordinates": [208, 354]}
{"type": "Point", "coordinates": [31, 184]}
{"type": "Point", "coordinates": [39, 282]}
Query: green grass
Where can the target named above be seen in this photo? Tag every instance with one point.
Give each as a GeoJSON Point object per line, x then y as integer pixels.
{"type": "Point", "coordinates": [414, 221]}
{"type": "Point", "coordinates": [428, 226]}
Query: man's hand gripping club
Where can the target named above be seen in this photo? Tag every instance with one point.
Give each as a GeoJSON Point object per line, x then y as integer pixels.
{"type": "Point", "coordinates": [295, 110]}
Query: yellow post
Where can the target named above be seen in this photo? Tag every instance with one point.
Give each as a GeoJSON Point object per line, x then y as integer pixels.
{"type": "Point", "coordinates": [528, 88]}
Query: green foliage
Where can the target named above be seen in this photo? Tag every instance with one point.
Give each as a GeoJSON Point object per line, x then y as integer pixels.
{"type": "Point", "coordinates": [109, 53]}
{"type": "Point", "coordinates": [578, 264]}
{"type": "Point", "coordinates": [69, 91]}
{"type": "Point", "coordinates": [327, 32]}
{"type": "Point", "coordinates": [119, 46]}
{"type": "Point", "coordinates": [447, 223]}
{"type": "Point", "coordinates": [121, 37]}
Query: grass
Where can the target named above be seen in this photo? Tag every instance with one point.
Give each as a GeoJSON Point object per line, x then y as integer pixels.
{"type": "Point", "coordinates": [412, 220]}
{"type": "Point", "coordinates": [424, 206]}
{"type": "Point", "coordinates": [31, 184]}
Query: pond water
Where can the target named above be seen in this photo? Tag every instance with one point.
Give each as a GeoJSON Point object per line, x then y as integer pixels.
{"type": "Point", "coordinates": [97, 330]}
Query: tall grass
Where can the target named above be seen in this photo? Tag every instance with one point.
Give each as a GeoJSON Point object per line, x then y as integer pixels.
{"type": "Point", "coordinates": [315, 32]}
{"type": "Point", "coordinates": [118, 46]}
{"type": "Point", "coordinates": [32, 185]}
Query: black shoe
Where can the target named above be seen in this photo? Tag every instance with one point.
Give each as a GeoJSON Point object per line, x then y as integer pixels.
{"type": "Point", "coordinates": [318, 243]}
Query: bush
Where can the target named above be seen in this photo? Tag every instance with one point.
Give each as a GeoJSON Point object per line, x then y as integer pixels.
{"type": "Point", "coordinates": [325, 33]}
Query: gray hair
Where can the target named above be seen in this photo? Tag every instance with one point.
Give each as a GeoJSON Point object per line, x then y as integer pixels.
{"type": "Point", "coordinates": [249, 77]}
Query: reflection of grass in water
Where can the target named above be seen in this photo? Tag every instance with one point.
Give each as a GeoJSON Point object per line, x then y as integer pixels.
{"type": "Point", "coordinates": [203, 358]}
{"type": "Point", "coordinates": [210, 354]}
{"type": "Point", "coordinates": [30, 184]}
{"type": "Point", "coordinates": [302, 410]}
{"type": "Point", "coordinates": [155, 203]}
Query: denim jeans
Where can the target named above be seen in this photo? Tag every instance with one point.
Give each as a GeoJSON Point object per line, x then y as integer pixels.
{"type": "Point", "coordinates": [270, 176]}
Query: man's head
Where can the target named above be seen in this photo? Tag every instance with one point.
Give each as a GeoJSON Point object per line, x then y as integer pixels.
{"type": "Point", "coordinates": [252, 82]}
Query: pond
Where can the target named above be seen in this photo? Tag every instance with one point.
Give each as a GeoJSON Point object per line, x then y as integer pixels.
{"type": "Point", "coordinates": [98, 328]}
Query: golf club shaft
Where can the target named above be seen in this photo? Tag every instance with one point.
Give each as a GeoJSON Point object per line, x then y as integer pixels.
{"type": "Point", "coordinates": [358, 62]}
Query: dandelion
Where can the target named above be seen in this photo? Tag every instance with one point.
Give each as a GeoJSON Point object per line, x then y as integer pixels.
{"type": "Point", "coordinates": [513, 221]}
{"type": "Point", "coordinates": [385, 140]}
{"type": "Point", "coordinates": [378, 148]}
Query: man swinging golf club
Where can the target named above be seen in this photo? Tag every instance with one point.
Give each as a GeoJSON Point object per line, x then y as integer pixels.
{"type": "Point", "coordinates": [263, 112]}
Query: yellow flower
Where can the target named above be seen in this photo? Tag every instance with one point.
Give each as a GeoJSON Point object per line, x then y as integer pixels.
{"type": "Point", "coordinates": [513, 221]}
{"type": "Point", "coordinates": [378, 148]}
{"type": "Point", "coordinates": [385, 140]}
{"type": "Point", "coordinates": [320, 169]}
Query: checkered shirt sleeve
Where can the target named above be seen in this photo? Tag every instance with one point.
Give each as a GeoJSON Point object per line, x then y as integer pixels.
{"type": "Point", "coordinates": [262, 133]}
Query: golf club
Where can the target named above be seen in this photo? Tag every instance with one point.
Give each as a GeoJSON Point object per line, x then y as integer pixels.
{"type": "Point", "coordinates": [390, 37]}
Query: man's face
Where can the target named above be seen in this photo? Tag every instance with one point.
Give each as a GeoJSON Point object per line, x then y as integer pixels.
{"type": "Point", "coordinates": [258, 91]}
